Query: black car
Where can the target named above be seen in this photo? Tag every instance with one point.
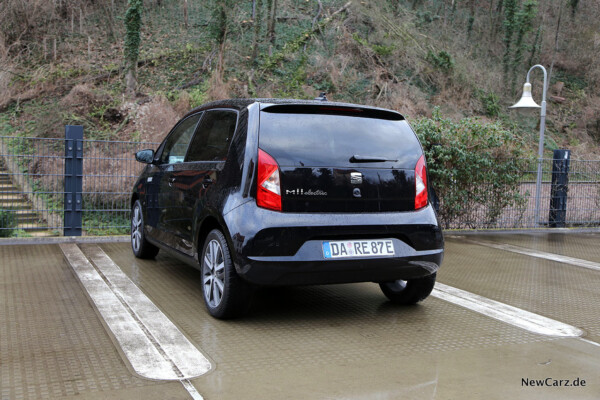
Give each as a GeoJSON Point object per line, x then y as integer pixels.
{"type": "Point", "coordinates": [266, 192]}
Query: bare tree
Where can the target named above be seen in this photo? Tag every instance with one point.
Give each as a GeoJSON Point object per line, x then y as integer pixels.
{"type": "Point", "coordinates": [185, 13]}
{"type": "Point", "coordinates": [257, 18]}
{"type": "Point", "coordinates": [272, 7]}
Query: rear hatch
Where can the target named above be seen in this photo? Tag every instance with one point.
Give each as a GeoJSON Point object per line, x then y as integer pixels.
{"type": "Point", "coordinates": [341, 159]}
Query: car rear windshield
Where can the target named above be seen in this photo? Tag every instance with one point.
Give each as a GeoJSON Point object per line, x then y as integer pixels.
{"type": "Point", "coordinates": [344, 139]}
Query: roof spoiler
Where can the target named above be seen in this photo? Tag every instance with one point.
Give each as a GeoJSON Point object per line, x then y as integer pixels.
{"type": "Point", "coordinates": [334, 109]}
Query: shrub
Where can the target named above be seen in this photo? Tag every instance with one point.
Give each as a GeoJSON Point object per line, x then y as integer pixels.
{"type": "Point", "coordinates": [474, 166]}
{"type": "Point", "coordinates": [490, 102]}
{"type": "Point", "coordinates": [442, 60]}
{"type": "Point", "coordinates": [7, 223]}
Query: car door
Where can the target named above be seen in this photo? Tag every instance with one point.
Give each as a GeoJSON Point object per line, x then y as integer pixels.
{"type": "Point", "coordinates": [170, 160]}
{"type": "Point", "coordinates": [194, 181]}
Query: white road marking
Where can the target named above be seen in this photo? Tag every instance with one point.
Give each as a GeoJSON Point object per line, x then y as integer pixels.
{"type": "Point", "coordinates": [590, 342]}
{"type": "Point", "coordinates": [539, 254]}
{"type": "Point", "coordinates": [503, 312]}
{"type": "Point", "coordinates": [152, 344]}
{"type": "Point", "coordinates": [191, 390]}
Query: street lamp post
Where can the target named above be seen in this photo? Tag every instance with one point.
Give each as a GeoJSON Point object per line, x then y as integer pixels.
{"type": "Point", "coordinates": [527, 102]}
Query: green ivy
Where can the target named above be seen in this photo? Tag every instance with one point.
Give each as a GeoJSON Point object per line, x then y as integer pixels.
{"type": "Point", "coordinates": [524, 24]}
{"type": "Point", "coordinates": [510, 12]}
{"type": "Point", "coordinates": [133, 26]}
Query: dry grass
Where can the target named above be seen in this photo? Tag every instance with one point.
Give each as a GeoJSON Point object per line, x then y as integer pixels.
{"type": "Point", "coordinates": [217, 88]}
{"type": "Point", "coordinates": [83, 98]}
{"type": "Point", "coordinates": [153, 120]}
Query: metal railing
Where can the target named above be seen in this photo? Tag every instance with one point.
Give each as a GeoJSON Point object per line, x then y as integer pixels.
{"type": "Point", "coordinates": [582, 201]}
{"type": "Point", "coordinates": [42, 192]}
{"type": "Point", "coordinates": [35, 171]}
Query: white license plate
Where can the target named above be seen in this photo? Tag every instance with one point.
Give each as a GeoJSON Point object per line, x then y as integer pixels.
{"type": "Point", "coordinates": [358, 248]}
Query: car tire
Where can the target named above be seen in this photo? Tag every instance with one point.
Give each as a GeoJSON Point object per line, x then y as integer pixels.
{"type": "Point", "coordinates": [225, 294]}
{"type": "Point", "coordinates": [140, 246]}
{"type": "Point", "coordinates": [410, 291]}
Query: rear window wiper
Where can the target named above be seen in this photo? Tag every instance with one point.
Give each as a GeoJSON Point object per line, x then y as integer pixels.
{"type": "Point", "coordinates": [364, 159]}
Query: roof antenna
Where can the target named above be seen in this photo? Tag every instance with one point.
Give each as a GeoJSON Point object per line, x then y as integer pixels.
{"type": "Point", "coordinates": [322, 97]}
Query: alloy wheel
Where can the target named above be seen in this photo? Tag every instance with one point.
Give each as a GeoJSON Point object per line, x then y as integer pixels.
{"type": "Point", "coordinates": [213, 273]}
{"type": "Point", "coordinates": [136, 229]}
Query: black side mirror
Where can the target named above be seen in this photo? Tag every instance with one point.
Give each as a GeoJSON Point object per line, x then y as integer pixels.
{"type": "Point", "coordinates": [145, 156]}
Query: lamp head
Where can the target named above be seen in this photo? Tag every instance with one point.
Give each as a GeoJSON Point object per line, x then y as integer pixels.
{"type": "Point", "coordinates": [526, 99]}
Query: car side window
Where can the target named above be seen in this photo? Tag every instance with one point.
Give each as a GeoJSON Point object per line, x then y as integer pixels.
{"type": "Point", "coordinates": [177, 143]}
{"type": "Point", "coordinates": [212, 138]}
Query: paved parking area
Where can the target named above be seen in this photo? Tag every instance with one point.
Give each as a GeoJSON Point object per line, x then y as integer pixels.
{"type": "Point", "coordinates": [316, 342]}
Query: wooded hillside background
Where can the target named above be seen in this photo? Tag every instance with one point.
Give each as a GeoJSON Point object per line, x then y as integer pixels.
{"type": "Point", "coordinates": [128, 69]}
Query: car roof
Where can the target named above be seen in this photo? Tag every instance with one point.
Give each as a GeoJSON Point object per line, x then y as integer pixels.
{"type": "Point", "coordinates": [240, 104]}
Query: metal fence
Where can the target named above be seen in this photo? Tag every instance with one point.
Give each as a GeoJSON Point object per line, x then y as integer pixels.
{"type": "Point", "coordinates": [35, 171]}
{"type": "Point", "coordinates": [36, 197]}
{"type": "Point", "coordinates": [582, 200]}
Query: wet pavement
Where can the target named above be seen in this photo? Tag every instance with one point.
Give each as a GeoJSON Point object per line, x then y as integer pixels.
{"type": "Point", "coordinates": [316, 342]}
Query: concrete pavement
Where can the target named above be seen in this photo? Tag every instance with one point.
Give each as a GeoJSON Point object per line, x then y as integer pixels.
{"type": "Point", "coordinates": [316, 342]}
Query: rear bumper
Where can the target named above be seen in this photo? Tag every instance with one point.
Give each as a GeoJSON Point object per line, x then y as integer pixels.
{"type": "Point", "coordinates": [285, 271]}
{"type": "Point", "coordinates": [274, 248]}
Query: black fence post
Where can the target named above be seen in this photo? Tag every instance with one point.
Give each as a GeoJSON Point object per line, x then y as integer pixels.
{"type": "Point", "coordinates": [73, 179]}
{"type": "Point", "coordinates": [560, 187]}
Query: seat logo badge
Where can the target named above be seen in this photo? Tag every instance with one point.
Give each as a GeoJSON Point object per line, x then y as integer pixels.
{"type": "Point", "coordinates": [356, 178]}
{"type": "Point", "coordinates": [356, 192]}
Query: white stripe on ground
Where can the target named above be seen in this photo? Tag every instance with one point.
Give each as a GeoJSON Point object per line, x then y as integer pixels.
{"type": "Point", "coordinates": [590, 342]}
{"type": "Point", "coordinates": [153, 345]}
{"type": "Point", "coordinates": [539, 254]}
{"type": "Point", "coordinates": [191, 390]}
{"type": "Point", "coordinates": [503, 312]}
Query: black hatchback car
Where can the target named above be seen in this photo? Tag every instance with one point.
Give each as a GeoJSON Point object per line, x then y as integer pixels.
{"type": "Point", "coordinates": [265, 192]}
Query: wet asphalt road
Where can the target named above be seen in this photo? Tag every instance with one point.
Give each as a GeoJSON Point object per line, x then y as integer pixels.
{"type": "Point", "coordinates": [317, 342]}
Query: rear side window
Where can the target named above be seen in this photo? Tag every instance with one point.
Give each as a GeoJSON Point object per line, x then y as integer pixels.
{"type": "Point", "coordinates": [177, 143]}
{"type": "Point", "coordinates": [213, 136]}
{"type": "Point", "coordinates": [319, 140]}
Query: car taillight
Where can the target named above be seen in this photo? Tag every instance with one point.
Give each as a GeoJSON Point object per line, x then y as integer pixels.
{"type": "Point", "coordinates": [421, 183]}
{"type": "Point", "coordinates": [268, 191]}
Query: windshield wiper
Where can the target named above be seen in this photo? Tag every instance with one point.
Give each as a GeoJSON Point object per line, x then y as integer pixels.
{"type": "Point", "coordinates": [364, 159]}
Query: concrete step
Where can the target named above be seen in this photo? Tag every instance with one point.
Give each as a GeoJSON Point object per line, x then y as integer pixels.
{"type": "Point", "coordinates": [26, 216]}
{"type": "Point", "coordinates": [15, 206]}
{"type": "Point", "coordinates": [45, 233]}
{"type": "Point", "coordinates": [13, 192]}
{"type": "Point", "coordinates": [32, 227]}
{"type": "Point", "coordinates": [25, 213]}
{"type": "Point", "coordinates": [12, 195]}
{"type": "Point", "coordinates": [12, 202]}
{"type": "Point", "coordinates": [29, 219]}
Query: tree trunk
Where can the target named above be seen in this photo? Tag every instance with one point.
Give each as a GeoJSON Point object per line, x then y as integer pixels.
{"type": "Point", "coordinates": [185, 13]}
{"type": "Point", "coordinates": [271, 25]}
{"type": "Point", "coordinates": [131, 81]}
{"type": "Point", "coordinates": [494, 19]}
{"type": "Point", "coordinates": [257, 23]}
{"type": "Point", "coordinates": [555, 43]}
{"type": "Point", "coordinates": [471, 18]}
{"type": "Point", "coordinates": [133, 25]}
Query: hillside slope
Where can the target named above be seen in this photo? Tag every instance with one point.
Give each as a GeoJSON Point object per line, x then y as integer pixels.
{"type": "Point", "coordinates": [62, 62]}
